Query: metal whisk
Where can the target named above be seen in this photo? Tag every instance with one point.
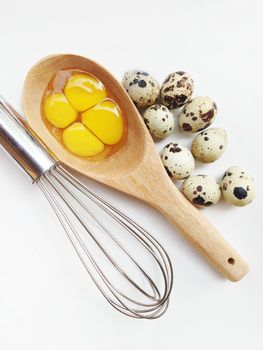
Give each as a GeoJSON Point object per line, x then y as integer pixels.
{"type": "Point", "coordinates": [117, 252]}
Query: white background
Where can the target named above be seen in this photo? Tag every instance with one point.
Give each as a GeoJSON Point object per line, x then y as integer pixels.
{"type": "Point", "coordinates": [46, 300]}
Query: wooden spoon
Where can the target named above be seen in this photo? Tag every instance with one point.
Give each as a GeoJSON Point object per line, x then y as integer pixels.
{"type": "Point", "coordinates": [136, 168]}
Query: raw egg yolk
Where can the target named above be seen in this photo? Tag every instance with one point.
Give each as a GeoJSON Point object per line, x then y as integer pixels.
{"type": "Point", "coordinates": [105, 121]}
{"type": "Point", "coordinates": [84, 91]}
{"type": "Point", "coordinates": [59, 111]}
{"type": "Point", "coordinates": [80, 141]}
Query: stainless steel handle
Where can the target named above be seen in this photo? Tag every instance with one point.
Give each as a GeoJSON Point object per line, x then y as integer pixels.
{"type": "Point", "coordinates": [22, 143]}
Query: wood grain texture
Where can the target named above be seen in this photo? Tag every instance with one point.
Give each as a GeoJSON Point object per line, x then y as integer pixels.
{"type": "Point", "coordinates": [136, 168]}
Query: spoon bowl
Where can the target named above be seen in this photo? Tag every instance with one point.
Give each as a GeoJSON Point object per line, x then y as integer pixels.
{"type": "Point", "coordinates": [135, 168]}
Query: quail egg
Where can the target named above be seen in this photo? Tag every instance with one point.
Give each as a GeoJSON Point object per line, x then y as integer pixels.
{"type": "Point", "coordinates": [201, 190]}
{"type": "Point", "coordinates": [142, 88]}
{"type": "Point", "coordinates": [176, 89]}
{"type": "Point", "coordinates": [237, 186]}
{"type": "Point", "coordinates": [197, 114]}
{"type": "Point", "coordinates": [209, 145]}
{"type": "Point", "coordinates": [159, 120]}
{"type": "Point", "coordinates": [178, 161]}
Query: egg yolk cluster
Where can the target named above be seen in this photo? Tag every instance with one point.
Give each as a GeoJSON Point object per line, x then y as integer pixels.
{"type": "Point", "coordinates": [88, 118]}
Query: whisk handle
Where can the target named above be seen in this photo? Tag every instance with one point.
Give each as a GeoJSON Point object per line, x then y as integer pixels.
{"type": "Point", "coordinates": [22, 143]}
{"type": "Point", "coordinates": [202, 234]}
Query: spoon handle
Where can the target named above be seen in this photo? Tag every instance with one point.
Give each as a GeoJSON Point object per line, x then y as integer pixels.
{"type": "Point", "coordinates": [203, 236]}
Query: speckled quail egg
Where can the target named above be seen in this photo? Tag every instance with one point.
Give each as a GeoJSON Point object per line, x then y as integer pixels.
{"type": "Point", "coordinates": [209, 145]}
{"type": "Point", "coordinates": [201, 190]}
{"type": "Point", "coordinates": [237, 186]}
{"type": "Point", "coordinates": [142, 88]}
{"type": "Point", "coordinates": [178, 161]}
{"type": "Point", "coordinates": [159, 120]}
{"type": "Point", "coordinates": [197, 114]}
{"type": "Point", "coordinates": [176, 89]}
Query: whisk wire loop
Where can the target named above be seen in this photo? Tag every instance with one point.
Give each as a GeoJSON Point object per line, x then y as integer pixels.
{"type": "Point", "coordinates": [59, 186]}
{"type": "Point", "coordinates": [110, 258]}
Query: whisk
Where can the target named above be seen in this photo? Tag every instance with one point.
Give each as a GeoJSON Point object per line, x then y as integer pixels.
{"type": "Point", "coordinates": [112, 247]}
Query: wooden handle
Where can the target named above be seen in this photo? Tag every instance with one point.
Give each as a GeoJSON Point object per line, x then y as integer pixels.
{"type": "Point", "coordinates": [203, 236]}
